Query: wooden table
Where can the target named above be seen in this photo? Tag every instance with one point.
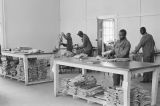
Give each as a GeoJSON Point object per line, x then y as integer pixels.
{"type": "Point", "coordinates": [25, 57]}
{"type": "Point", "coordinates": [124, 68]}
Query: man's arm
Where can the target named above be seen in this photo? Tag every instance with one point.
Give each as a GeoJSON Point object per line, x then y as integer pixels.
{"type": "Point", "coordinates": [64, 35]}
{"type": "Point", "coordinates": [141, 44]}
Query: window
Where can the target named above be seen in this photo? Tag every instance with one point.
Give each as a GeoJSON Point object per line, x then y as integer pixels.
{"type": "Point", "coordinates": [108, 31]}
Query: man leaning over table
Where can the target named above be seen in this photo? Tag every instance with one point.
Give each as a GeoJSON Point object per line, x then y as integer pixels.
{"type": "Point", "coordinates": [147, 44]}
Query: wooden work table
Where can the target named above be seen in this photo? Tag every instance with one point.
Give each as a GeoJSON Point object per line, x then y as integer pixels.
{"type": "Point", "coordinates": [124, 68]}
{"type": "Point", "coordinates": [25, 57]}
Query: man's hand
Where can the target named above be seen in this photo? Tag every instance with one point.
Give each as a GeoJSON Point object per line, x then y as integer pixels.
{"type": "Point", "coordinates": [62, 34]}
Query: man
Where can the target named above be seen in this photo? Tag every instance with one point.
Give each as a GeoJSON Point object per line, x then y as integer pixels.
{"type": "Point", "coordinates": [69, 44]}
{"type": "Point", "coordinates": [147, 44]}
{"type": "Point", "coordinates": [121, 50]}
{"type": "Point", "coordinates": [86, 46]}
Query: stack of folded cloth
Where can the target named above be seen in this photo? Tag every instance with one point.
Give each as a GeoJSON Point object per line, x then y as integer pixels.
{"type": "Point", "coordinates": [5, 65]}
{"type": "Point", "coordinates": [113, 95]}
{"type": "Point", "coordinates": [9, 65]}
{"type": "Point", "coordinates": [42, 68]}
{"type": "Point", "coordinates": [20, 70]}
{"type": "Point", "coordinates": [32, 69]}
{"type": "Point", "coordinates": [138, 96]}
{"type": "Point", "coordinates": [82, 85]}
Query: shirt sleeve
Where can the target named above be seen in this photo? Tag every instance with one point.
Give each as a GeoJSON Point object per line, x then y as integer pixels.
{"type": "Point", "coordinates": [125, 51]}
{"type": "Point", "coordinates": [113, 50]}
{"type": "Point", "coordinates": [141, 44]}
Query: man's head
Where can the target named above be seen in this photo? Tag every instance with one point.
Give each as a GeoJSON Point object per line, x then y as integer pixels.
{"type": "Point", "coordinates": [122, 34]}
{"type": "Point", "coordinates": [80, 34]}
{"type": "Point", "coordinates": [143, 30]}
{"type": "Point", "coordinates": [68, 34]}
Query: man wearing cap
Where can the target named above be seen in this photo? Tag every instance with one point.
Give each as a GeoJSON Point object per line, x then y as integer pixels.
{"type": "Point", "coordinates": [69, 44]}
{"type": "Point", "coordinates": [86, 46]}
{"type": "Point", "coordinates": [121, 50]}
{"type": "Point", "coordinates": [147, 44]}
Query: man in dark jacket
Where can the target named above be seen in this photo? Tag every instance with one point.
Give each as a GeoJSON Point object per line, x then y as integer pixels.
{"type": "Point", "coordinates": [86, 46]}
{"type": "Point", "coordinates": [147, 44]}
{"type": "Point", "coordinates": [121, 50]}
{"type": "Point", "coordinates": [69, 44]}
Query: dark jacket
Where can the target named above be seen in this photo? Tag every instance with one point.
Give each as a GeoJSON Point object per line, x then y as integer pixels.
{"type": "Point", "coordinates": [121, 49]}
{"type": "Point", "coordinates": [69, 44]}
{"type": "Point", "coordinates": [87, 46]}
{"type": "Point", "coordinates": [147, 44]}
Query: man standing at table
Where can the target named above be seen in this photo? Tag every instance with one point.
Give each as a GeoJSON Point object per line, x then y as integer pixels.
{"type": "Point", "coordinates": [69, 44]}
{"type": "Point", "coordinates": [121, 50]}
{"type": "Point", "coordinates": [147, 44]}
{"type": "Point", "coordinates": [86, 46]}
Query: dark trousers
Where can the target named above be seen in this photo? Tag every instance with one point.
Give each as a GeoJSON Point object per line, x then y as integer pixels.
{"type": "Point", "coordinates": [117, 79]}
{"type": "Point", "coordinates": [148, 75]}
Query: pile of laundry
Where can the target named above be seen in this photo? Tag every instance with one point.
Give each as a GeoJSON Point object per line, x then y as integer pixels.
{"type": "Point", "coordinates": [20, 70]}
{"type": "Point", "coordinates": [81, 56]}
{"type": "Point", "coordinates": [82, 85]}
{"type": "Point", "coordinates": [114, 96]}
{"type": "Point", "coordinates": [37, 69]}
{"type": "Point", "coordinates": [138, 96]}
{"type": "Point", "coordinates": [9, 65]}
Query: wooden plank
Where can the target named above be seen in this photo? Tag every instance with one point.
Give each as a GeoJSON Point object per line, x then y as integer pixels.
{"type": "Point", "coordinates": [90, 99]}
{"type": "Point", "coordinates": [41, 81]}
{"type": "Point", "coordinates": [155, 86]}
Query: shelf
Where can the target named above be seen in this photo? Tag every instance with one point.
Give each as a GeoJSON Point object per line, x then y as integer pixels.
{"type": "Point", "coordinates": [40, 81]}
{"type": "Point", "coordinates": [9, 76]}
{"type": "Point", "coordinates": [90, 99]}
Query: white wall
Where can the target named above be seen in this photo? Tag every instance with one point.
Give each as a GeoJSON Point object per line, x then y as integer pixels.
{"type": "Point", "coordinates": [81, 15]}
{"type": "Point", "coordinates": [33, 23]}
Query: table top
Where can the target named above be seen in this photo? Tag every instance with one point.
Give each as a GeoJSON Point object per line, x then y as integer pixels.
{"type": "Point", "coordinates": [5, 52]}
{"type": "Point", "coordinates": [128, 66]}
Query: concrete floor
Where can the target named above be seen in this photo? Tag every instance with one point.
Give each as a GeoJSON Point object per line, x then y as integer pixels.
{"type": "Point", "coordinates": [13, 93]}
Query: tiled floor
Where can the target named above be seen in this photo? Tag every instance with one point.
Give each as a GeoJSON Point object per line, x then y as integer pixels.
{"type": "Point", "coordinates": [13, 93]}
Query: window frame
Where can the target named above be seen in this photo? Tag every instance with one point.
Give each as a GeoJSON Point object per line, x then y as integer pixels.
{"type": "Point", "coordinates": [115, 17]}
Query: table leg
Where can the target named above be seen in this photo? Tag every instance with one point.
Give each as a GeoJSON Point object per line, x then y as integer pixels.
{"type": "Point", "coordinates": [155, 86]}
{"type": "Point", "coordinates": [84, 71]}
{"type": "Point", "coordinates": [55, 69]}
{"type": "Point", "coordinates": [126, 87]}
{"type": "Point", "coordinates": [25, 62]}
{"type": "Point", "coordinates": [51, 66]}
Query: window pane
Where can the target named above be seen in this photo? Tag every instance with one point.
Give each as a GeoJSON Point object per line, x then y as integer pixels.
{"type": "Point", "coordinates": [108, 30]}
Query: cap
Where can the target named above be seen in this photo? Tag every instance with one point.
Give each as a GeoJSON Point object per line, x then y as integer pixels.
{"type": "Point", "coordinates": [80, 33]}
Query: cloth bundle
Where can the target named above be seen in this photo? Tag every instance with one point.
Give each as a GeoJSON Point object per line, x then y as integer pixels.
{"type": "Point", "coordinates": [81, 56]}
{"type": "Point", "coordinates": [83, 80]}
{"type": "Point", "coordinates": [32, 69]}
{"type": "Point", "coordinates": [42, 68]}
{"type": "Point", "coordinates": [20, 70]}
{"type": "Point", "coordinates": [82, 85]}
{"type": "Point", "coordinates": [9, 65]}
{"type": "Point", "coordinates": [114, 96]}
{"type": "Point", "coordinates": [85, 92]}
{"type": "Point", "coordinates": [37, 69]}
{"type": "Point", "coordinates": [138, 96]}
